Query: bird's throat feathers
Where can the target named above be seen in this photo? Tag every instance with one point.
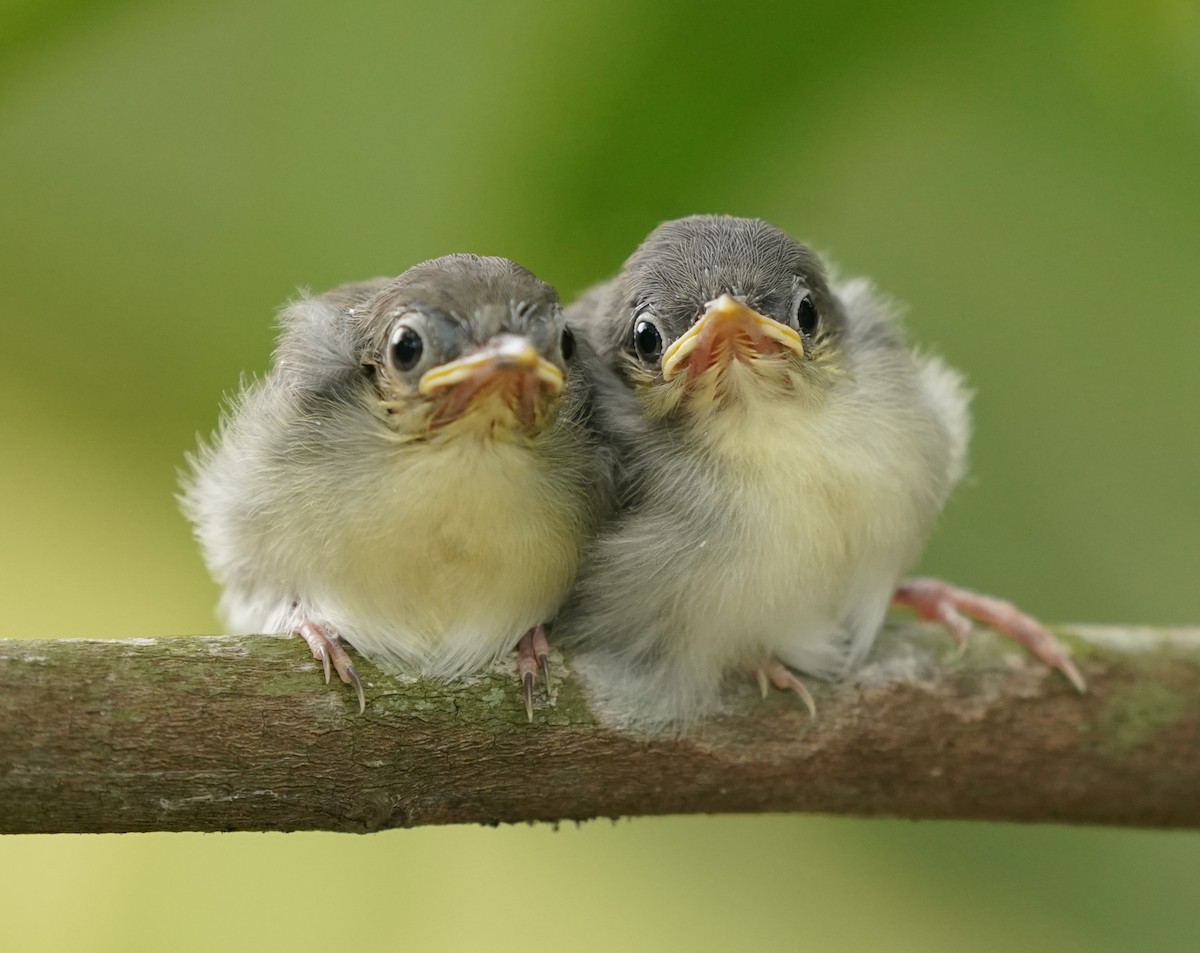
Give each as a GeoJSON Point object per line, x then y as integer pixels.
{"type": "Point", "coordinates": [492, 415]}
{"type": "Point", "coordinates": [733, 389]}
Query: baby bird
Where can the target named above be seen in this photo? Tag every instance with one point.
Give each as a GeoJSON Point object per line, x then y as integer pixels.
{"type": "Point", "coordinates": [416, 474]}
{"type": "Point", "coordinates": [784, 456]}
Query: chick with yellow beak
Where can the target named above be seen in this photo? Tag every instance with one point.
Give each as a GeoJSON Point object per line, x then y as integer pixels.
{"type": "Point", "coordinates": [727, 331]}
{"type": "Point", "coordinates": [505, 382]}
{"type": "Point", "coordinates": [416, 475]}
{"type": "Point", "coordinates": [783, 457]}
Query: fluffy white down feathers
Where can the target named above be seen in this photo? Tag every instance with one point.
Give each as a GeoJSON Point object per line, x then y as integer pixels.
{"type": "Point", "coordinates": [431, 556]}
{"type": "Point", "coordinates": [773, 523]}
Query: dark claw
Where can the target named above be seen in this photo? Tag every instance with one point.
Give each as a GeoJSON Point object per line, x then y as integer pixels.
{"type": "Point", "coordinates": [1074, 676]}
{"type": "Point", "coordinates": [544, 664]}
{"type": "Point", "coordinates": [527, 684]}
{"type": "Point", "coordinates": [805, 696]}
{"type": "Point", "coordinates": [937, 601]}
{"type": "Point", "coordinates": [324, 646]}
{"type": "Point", "coordinates": [352, 678]}
{"type": "Point", "coordinates": [786, 680]}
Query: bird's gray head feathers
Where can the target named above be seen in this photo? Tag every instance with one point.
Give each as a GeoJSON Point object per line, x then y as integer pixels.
{"type": "Point", "coordinates": [380, 340]}
{"type": "Point", "coordinates": [684, 264]}
{"type": "Point", "coordinates": [743, 309]}
{"type": "Point", "coordinates": [474, 297]}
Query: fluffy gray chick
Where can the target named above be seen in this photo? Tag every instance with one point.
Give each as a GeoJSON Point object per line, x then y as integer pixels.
{"type": "Point", "coordinates": [783, 455]}
{"type": "Point", "coordinates": [416, 474]}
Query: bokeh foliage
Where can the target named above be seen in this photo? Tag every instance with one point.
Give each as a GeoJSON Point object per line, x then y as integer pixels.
{"type": "Point", "coordinates": [1026, 176]}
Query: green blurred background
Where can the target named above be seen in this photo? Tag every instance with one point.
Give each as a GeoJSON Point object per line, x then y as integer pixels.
{"type": "Point", "coordinates": [1025, 175]}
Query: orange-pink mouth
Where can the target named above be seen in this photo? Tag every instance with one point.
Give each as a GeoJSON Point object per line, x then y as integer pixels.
{"type": "Point", "coordinates": [508, 369]}
{"type": "Point", "coordinates": [727, 331]}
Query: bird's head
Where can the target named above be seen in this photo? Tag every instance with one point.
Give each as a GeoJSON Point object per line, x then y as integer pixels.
{"type": "Point", "coordinates": [466, 344]}
{"type": "Point", "coordinates": [713, 311]}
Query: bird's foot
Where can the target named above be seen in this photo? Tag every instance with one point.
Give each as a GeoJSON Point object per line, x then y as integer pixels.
{"type": "Point", "coordinates": [936, 601]}
{"type": "Point", "coordinates": [533, 653]}
{"type": "Point", "coordinates": [774, 672]}
{"type": "Point", "coordinates": [327, 649]}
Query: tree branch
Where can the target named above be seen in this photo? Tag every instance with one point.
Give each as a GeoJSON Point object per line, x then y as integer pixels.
{"type": "Point", "coordinates": [240, 733]}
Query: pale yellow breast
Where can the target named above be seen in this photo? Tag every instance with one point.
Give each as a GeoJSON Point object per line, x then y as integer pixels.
{"type": "Point", "coordinates": [822, 503]}
{"type": "Point", "coordinates": [443, 563]}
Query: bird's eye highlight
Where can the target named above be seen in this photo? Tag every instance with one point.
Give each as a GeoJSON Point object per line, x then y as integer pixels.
{"type": "Point", "coordinates": [647, 340]}
{"type": "Point", "coordinates": [567, 344]}
{"type": "Point", "coordinates": [405, 348]}
{"type": "Point", "coordinates": [807, 317]}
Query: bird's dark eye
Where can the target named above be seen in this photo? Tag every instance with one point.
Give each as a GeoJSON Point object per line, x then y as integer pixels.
{"type": "Point", "coordinates": [405, 348]}
{"type": "Point", "coordinates": [647, 341]}
{"type": "Point", "coordinates": [807, 317]}
{"type": "Point", "coordinates": [568, 344]}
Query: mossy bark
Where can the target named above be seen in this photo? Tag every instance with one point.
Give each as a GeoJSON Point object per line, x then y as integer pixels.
{"type": "Point", "coordinates": [241, 733]}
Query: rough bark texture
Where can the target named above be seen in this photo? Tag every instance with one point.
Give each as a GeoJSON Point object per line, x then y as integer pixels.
{"type": "Point", "coordinates": [241, 733]}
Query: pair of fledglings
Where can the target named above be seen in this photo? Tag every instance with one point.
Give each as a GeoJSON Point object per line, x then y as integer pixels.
{"type": "Point", "coordinates": [718, 464]}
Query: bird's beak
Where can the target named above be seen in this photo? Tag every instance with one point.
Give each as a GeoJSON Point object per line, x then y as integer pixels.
{"type": "Point", "coordinates": [508, 366]}
{"type": "Point", "coordinates": [727, 329]}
